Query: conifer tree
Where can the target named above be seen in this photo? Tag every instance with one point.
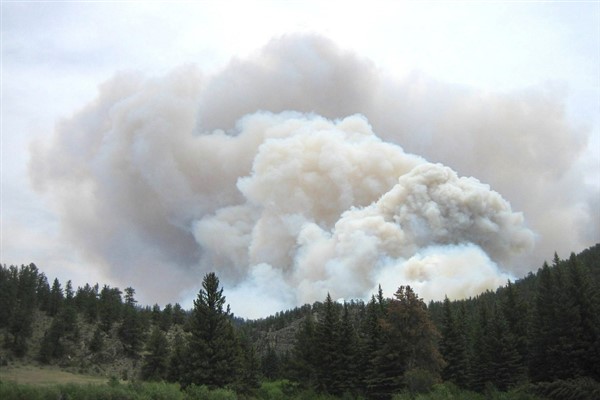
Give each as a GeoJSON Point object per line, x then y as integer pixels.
{"type": "Point", "coordinates": [482, 370]}
{"type": "Point", "coordinates": [247, 376]}
{"type": "Point", "coordinates": [132, 331]}
{"type": "Point", "coordinates": [8, 294]}
{"type": "Point", "coordinates": [346, 371]}
{"type": "Point", "coordinates": [55, 299]}
{"type": "Point", "coordinates": [212, 348]}
{"type": "Point", "coordinates": [410, 343]}
{"type": "Point", "coordinates": [371, 343]}
{"type": "Point", "coordinates": [20, 325]}
{"type": "Point", "coordinates": [326, 343]}
{"type": "Point", "coordinates": [109, 307]}
{"type": "Point", "coordinates": [155, 366]}
{"type": "Point", "coordinates": [166, 318]}
{"type": "Point", "coordinates": [505, 361]}
{"type": "Point", "coordinates": [270, 364]}
{"type": "Point", "coordinates": [69, 294]}
{"type": "Point", "coordinates": [86, 301]}
{"type": "Point", "coordinates": [515, 312]}
{"type": "Point", "coordinates": [304, 361]}
{"type": "Point", "coordinates": [453, 347]}
{"type": "Point", "coordinates": [177, 361]}
{"type": "Point", "coordinates": [43, 293]}
{"type": "Point", "coordinates": [541, 364]}
{"type": "Point", "coordinates": [586, 339]}
{"type": "Point", "coordinates": [179, 315]}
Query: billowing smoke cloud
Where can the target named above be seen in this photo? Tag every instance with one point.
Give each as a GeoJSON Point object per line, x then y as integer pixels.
{"type": "Point", "coordinates": [160, 180]}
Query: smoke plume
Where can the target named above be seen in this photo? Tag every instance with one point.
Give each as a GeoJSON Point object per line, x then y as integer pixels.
{"type": "Point", "coordinates": [293, 173]}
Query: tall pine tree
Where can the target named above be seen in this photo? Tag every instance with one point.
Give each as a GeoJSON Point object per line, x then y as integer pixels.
{"type": "Point", "coordinates": [212, 349]}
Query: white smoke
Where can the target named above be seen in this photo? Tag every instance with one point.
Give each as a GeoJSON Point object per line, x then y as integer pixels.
{"type": "Point", "coordinates": [172, 177]}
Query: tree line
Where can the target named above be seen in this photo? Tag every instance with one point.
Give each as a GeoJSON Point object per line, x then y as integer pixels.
{"type": "Point", "coordinates": [541, 333]}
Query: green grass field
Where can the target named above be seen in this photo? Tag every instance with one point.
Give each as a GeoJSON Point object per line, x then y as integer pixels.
{"type": "Point", "coordinates": [40, 375]}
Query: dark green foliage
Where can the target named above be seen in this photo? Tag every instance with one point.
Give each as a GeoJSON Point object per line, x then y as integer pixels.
{"type": "Point", "coordinates": [515, 312]}
{"type": "Point", "coordinates": [410, 341]}
{"type": "Point", "coordinates": [212, 358]}
{"type": "Point", "coordinates": [346, 371]}
{"type": "Point", "coordinates": [327, 357]}
{"type": "Point", "coordinates": [166, 318]}
{"type": "Point", "coordinates": [63, 328]}
{"type": "Point", "coordinates": [586, 351]}
{"type": "Point", "coordinates": [453, 347]}
{"type": "Point", "coordinates": [179, 316]}
{"type": "Point", "coordinates": [248, 379]}
{"type": "Point", "coordinates": [482, 372]}
{"type": "Point", "coordinates": [155, 366]}
{"type": "Point", "coordinates": [109, 307]}
{"type": "Point", "coordinates": [505, 361]}
{"type": "Point", "coordinates": [304, 364]}
{"type": "Point", "coordinates": [543, 332]}
{"type": "Point", "coordinates": [86, 301]}
{"type": "Point", "coordinates": [270, 364]}
{"type": "Point", "coordinates": [132, 331]}
{"type": "Point", "coordinates": [24, 286]}
{"type": "Point", "coordinates": [97, 342]}
{"type": "Point", "coordinates": [177, 361]}
{"type": "Point", "coordinates": [575, 389]}
{"type": "Point", "coordinates": [55, 299]}
{"type": "Point", "coordinates": [371, 341]}
{"type": "Point", "coordinates": [8, 294]}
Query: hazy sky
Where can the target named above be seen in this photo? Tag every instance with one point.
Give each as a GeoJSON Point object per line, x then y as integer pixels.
{"type": "Point", "coordinates": [506, 92]}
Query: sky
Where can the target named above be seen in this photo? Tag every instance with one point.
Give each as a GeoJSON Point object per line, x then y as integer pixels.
{"type": "Point", "coordinates": [298, 148]}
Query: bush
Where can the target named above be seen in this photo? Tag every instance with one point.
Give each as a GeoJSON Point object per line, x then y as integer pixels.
{"type": "Point", "coordinates": [194, 392]}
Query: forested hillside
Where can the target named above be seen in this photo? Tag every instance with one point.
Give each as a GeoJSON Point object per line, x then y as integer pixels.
{"type": "Point", "coordinates": [537, 337]}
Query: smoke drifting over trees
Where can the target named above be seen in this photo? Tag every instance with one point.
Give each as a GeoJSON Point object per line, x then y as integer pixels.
{"type": "Point", "coordinates": [304, 169]}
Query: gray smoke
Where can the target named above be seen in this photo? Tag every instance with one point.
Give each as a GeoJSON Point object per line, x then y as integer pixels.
{"type": "Point", "coordinates": [160, 180]}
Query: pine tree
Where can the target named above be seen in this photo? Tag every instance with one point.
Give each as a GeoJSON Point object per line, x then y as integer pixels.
{"type": "Point", "coordinates": [179, 315]}
{"type": "Point", "coordinates": [304, 361]}
{"type": "Point", "coordinates": [346, 371]}
{"type": "Point", "coordinates": [109, 307]}
{"type": "Point", "coordinates": [371, 343]}
{"type": "Point", "coordinates": [8, 294]}
{"type": "Point", "coordinates": [212, 348]}
{"type": "Point", "coordinates": [453, 347]}
{"type": "Point", "coordinates": [132, 331]}
{"type": "Point", "coordinates": [410, 343]}
{"type": "Point", "coordinates": [155, 366]}
{"type": "Point", "coordinates": [541, 364]}
{"type": "Point", "coordinates": [177, 361]}
{"type": "Point", "coordinates": [586, 340]}
{"type": "Point", "coordinates": [166, 318]}
{"type": "Point", "coordinates": [514, 310]}
{"type": "Point", "coordinates": [86, 301]}
{"type": "Point", "coordinates": [43, 293]}
{"type": "Point", "coordinates": [69, 294]}
{"type": "Point", "coordinates": [64, 327]}
{"type": "Point", "coordinates": [326, 344]}
{"type": "Point", "coordinates": [20, 326]}
{"type": "Point", "coordinates": [55, 299]}
{"type": "Point", "coordinates": [482, 368]}
{"type": "Point", "coordinates": [247, 377]}
{"type": "Point", "coordinates": [505, 361]}
{"type": "Point", "coordinates": [270, 364]}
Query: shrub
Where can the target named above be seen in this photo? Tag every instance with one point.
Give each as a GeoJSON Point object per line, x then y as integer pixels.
{"type": "Point", "coordinates": [195, 392]}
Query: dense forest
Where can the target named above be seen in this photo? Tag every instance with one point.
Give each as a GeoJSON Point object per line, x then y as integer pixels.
{"type": "Point", "coordinates": [536, 338]}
